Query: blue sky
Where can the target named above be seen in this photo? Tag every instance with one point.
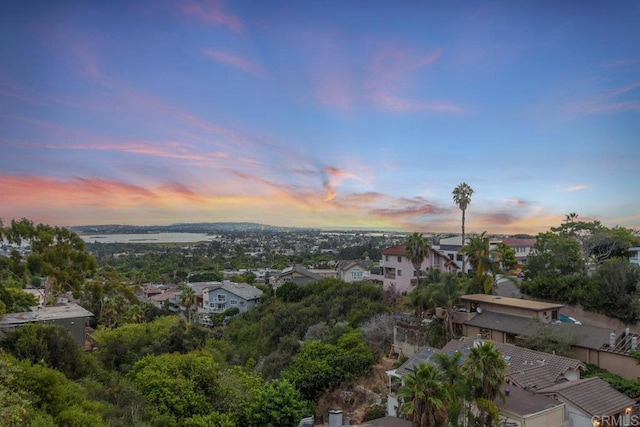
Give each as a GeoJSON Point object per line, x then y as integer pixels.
{"type": "Point", "coordinates": [320, 113]}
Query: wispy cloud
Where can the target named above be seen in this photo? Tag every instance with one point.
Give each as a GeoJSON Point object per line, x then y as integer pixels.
{"type": "Point", "coordinates": [212, 12]}
{"type": "Point", "coordinates": [233, 60]}
{"type": "Point", "coordinates": [393, 103]}
{"type": "Point", "coordinates": [608, 101]}
{"type": "Point", "coordinates": [391, 64]}
{"type": "Point", "coordinates": [391, 70]}
{"type": "Point", "coordinates": [381, 82]}
{"type": "Point", "coordinates": [577, 188]}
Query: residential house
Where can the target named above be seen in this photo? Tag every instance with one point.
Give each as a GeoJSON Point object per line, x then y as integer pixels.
{"type": "Point", "coordinates": [533, 368]}
{"type": "Point", "coordinates": [398, 271]}
{"type": "Point", "coordinates": [217, 297]}
{"type": "Point", "coordinates": [296, 274]}
{"type": "Point", "coordinates": [592, 399]}
{"type": "Point", "coordinates": [503, 319]}
{"type": "Point", "coordinates": [634, 255]}
{"type": "Point", "coordinates": [542, 389]}
{"type": "Point", "coordinates": [450, 246]}
{"type": "Point", "coordinates": [522, 247]}
{"type": "Point", "coordinates": [526, 409]}
{"type": "Point", "coordinates": [70, 316]}
{"type": "Point", "coordinates": [159, 300]}
{"type": "Point", "coordinates": [354, 270]}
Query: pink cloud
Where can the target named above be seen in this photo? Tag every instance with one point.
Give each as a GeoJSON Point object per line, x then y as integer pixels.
{"type": "Point", "coordinates": [211, 12]}
{"type": "Point", "coordinates": [234, 61]}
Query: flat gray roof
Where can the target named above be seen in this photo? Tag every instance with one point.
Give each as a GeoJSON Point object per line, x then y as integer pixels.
{"type": "Point", "coordinates": [511, 302]}
{"type": "Point", "coordinates": [45, 313]}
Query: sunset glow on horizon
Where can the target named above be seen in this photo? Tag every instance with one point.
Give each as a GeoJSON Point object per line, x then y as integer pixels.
{"type": "Point", "coordinates": [320, 114]}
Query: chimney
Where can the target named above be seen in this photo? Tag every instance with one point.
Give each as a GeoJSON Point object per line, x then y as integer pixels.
{"type": "Point", "coordinates": [335, 418]}
{"type": "Point", "coordinates": [477, 341]}
{"type": "Point", "coordinates": [634, 342]}
{"type": "Point", "coordinates": [612, 340]}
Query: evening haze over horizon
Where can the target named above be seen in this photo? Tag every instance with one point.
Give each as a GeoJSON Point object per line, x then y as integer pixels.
{"type": "Point", "coordinates": [321, 114]}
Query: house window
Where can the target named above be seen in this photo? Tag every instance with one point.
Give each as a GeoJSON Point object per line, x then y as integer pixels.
{"type": "Point", "coordinates": [436, 261]}
{"type": "Point", "coordinates": [233, 302]}
{"type": "Point", "coordinates": [386, 258]}
{"type": "Point", "coordinates": [399, 259]}
{"type": "Point", "coordinates": [554, 315]}
{"type": "Point", "coordinates": [221, 297]}
{"type": "Point", "coordinates": [356, 275]}
{"type": "Point", "coordinates": [399, 273]}
{"type": "Point", "coordinates": [459, 257]}
{"type": "Point", "coordinates": [485, 334]}
{"type": "Point", "coordinates": [241, 303]}
{"type": "Point", "coordinates": [451, 257]}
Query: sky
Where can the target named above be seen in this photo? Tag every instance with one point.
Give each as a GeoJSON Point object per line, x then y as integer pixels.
{"type": "Point", "coordinates": [329, 114]}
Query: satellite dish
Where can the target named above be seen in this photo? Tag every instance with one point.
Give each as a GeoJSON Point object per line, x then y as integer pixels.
{"type": "Point", "coordinates": [479, 310]}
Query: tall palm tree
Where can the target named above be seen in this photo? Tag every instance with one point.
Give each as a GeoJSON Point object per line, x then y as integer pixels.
{"type": "Point", "coordinates": [485, 371]}
{"type": "Point", "coordinates": [416, 249]}
{"type": "Point", "coordinates": [484, 261]}
{"type": "Point", "coordinates": [188, 298]}
{"type": "Point", "coordinates": [111, 311]}
{"type": "Point", "coordinates": [452, 375]}
{"type": "Point", "coordinates": [135, 314]}
{"type": "Point", "coordinates": [426, 396]}
{"type": "Point", "coordinates": [462, 197]}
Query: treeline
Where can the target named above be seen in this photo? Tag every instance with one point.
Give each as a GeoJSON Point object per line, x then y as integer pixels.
{"type": "Point", "coordinates": [586, 263]}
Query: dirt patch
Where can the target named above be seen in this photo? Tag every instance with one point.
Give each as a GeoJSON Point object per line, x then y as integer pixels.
{"type": "Point", "coordinates": [357, 398]}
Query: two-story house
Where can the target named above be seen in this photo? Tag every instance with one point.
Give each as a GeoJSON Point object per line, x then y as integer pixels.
{"type": "Point", "coordinates": [522, 247]}
{"type": "Point", "coordinates": [398, 271]}
{"type": "Point", "coordinates": [220, 296]}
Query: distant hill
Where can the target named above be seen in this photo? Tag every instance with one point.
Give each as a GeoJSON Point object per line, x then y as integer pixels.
{"type": "Point", "coordinates": [199, 227]}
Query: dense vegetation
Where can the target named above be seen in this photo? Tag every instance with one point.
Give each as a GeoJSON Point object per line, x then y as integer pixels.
{"type": "Point", "coordinates": [586, 263]}
{"type": "Point", "coordinates": [265, 367]}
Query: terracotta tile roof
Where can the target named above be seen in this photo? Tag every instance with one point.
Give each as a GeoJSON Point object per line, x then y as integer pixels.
{"type": "Point", "coordinates": [593, 395]}
{"type": "Point", "coordinates": [397, 250]}
{"type": "Point", "coordinates": [164, 297]}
